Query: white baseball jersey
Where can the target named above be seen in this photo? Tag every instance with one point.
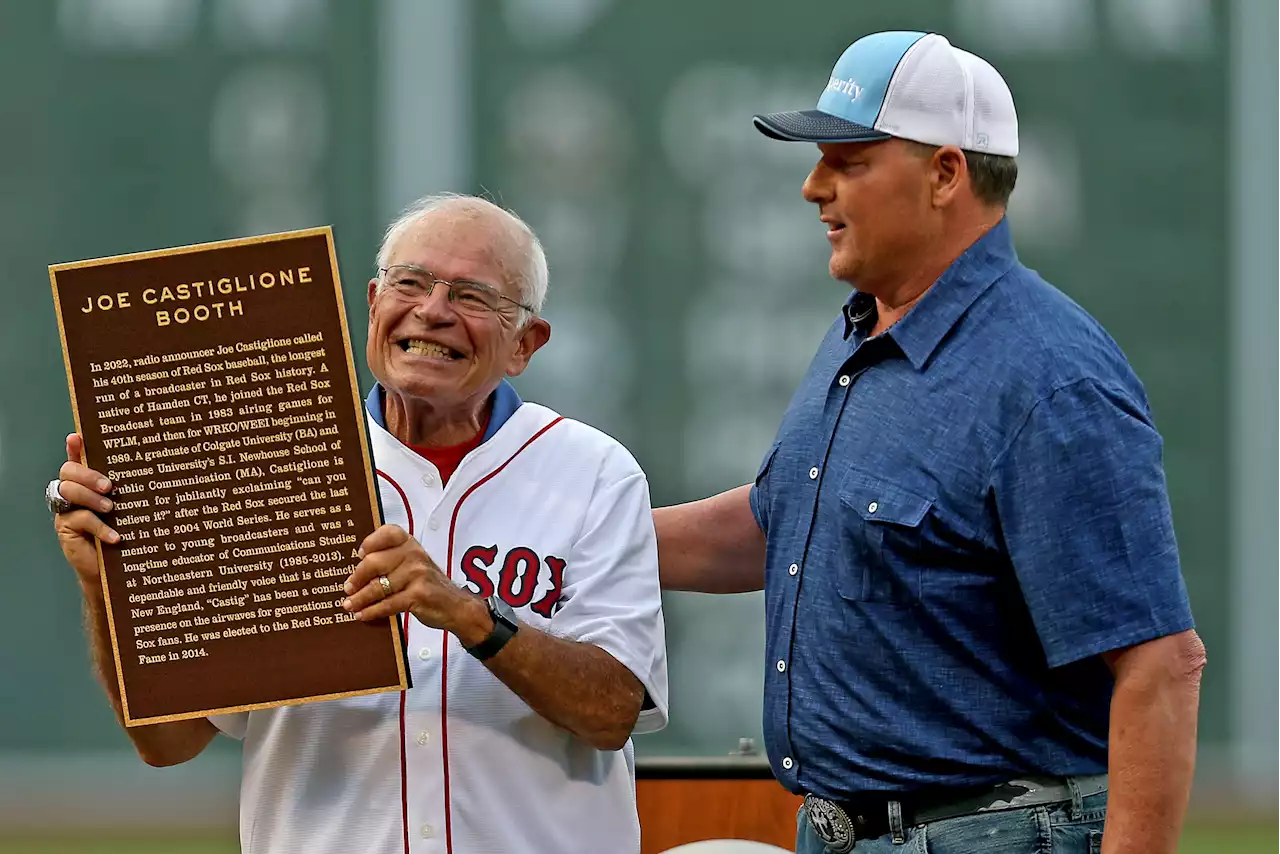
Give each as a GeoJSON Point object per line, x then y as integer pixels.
{"type": "Point", "coordinates": [555, 517]}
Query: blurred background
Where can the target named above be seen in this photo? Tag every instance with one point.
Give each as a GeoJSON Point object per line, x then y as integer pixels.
{"type": "Point", "coordinates": [688, 287]}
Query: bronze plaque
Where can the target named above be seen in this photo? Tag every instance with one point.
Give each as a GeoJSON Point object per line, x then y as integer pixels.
{"type": "Point", "coordinates": [214, 386]}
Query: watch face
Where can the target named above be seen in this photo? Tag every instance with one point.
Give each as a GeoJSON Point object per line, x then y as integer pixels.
{"type": "Point", "coordinates": [501, 611]}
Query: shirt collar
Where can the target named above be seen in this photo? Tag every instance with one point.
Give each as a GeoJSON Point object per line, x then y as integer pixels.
{"type": "Point", "coordinates": [927, 323]}
{"type": "Point", "coordinates": [506, 400]}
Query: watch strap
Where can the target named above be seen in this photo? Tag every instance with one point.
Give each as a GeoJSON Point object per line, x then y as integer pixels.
{"type": "Point", "coordinates": [504, 629]}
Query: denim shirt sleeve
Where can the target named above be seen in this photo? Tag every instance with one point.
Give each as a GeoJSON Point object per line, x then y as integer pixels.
{"type": "Point", "coordinates": [1082, 505]}
{"type": "Point", "coordinates": [756, 497]}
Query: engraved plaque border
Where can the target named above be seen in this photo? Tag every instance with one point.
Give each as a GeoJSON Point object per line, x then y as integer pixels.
{"type": "Point", "coordinates": [396, 638]}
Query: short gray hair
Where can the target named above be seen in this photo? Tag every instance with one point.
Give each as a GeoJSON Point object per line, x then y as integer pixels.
{"type": "Point", "coordinates": [992, 176]}
{"type": "Point", "coordinates": [531, 276]}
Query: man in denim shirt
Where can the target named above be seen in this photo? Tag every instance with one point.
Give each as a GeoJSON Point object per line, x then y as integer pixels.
{"type": "Point", "coordinates": [976, 620]}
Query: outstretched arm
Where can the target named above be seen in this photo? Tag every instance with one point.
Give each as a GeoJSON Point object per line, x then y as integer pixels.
{"type": "Point", "coordinates": [711, 546]}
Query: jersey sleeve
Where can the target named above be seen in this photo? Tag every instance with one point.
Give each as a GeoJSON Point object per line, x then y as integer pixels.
{"type": "Point", "coordinates": [611, 593]}
{"type": "Point", "coordinates": [234, 725]}
{"type": "Point", "coordinates": [1084, 512]}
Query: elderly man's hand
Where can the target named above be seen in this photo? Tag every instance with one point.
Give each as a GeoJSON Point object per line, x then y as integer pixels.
{"type": "Point", "coordinates": [78, 528]}
{"type": "Point", "coordinates": [413, 583]}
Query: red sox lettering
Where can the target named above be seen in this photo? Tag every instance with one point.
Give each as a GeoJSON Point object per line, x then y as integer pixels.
{"type": "Point", "coordinates": [519, 577]}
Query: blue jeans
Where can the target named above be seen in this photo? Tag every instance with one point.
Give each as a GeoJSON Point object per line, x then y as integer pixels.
{"type": "Point", "coordinates": [1064, 828]}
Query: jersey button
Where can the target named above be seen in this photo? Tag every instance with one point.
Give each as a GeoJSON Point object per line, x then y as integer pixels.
{"type": "Point", "coordinates": [793, 569]}
{"type": "Point", "coordinates": [424, 653]}
{"type": "Point", "coordinates": [788, 763]}
{"type": "Point", "coordinates": [428, 479]}
{"type": "Point", "coordinates": [844, 380]}
{"type": "Point", "coordinates": [813, 473]}
{"type": "Point", "coordinates": [782, 666]}
{"type": "Point", "coordinates": [433, 523]}
{"type": "Point", "coordinates": [428, 831]}
{"type": "Point", "coordinates": [424, 738]}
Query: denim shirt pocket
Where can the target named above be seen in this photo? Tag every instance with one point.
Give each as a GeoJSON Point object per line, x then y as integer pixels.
{"type": "Point", "coordinates": [884, 525]}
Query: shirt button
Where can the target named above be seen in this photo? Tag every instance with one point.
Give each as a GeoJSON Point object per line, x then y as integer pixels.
{"type": "Point", "coordinates": [424, 653]}
{"type": "Point", "coordinates": [788, 762]}
{"type": "Point", "coordinates": [793, 569]}
{"type": "Point", "coordinates": [813, 473]}
{"type": "Point", "coordinates": [844, 380]}
{"type": "Point", "coordinates": [428, 831]}
{"type": "Point", "coordinates": [433, 523]}
{"type": "Point", "coordinates": [424, 738]}
{"type": "Point", "coordinates": [873, 507]}
{"type": "Point", "coordinates": [782, 666]}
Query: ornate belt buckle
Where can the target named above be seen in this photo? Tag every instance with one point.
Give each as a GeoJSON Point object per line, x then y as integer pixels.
{"type": "Point", "coordinates": [832, 825]}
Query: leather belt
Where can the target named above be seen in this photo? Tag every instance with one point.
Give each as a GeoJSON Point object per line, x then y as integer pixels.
{"type": "Point", "coordinates": [839, 824]}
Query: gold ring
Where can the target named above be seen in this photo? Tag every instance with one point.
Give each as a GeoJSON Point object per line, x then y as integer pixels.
{"type": "Point", "coordinates": [386, 586]}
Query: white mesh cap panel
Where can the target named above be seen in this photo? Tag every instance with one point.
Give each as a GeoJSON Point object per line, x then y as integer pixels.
{"type": "Point", "coordinates": [941, 95]}
{"type": "Point", "coordinates": [925, 100]}
{"type": "Point", "coordinates": [995, 122]}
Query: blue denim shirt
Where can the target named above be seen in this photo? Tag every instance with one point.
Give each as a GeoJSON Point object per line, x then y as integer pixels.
{"type": "Point", "coordinates": [961, 513]}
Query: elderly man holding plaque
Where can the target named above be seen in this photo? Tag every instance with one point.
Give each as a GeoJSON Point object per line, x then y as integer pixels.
{"type": "Point", "coordinates": [519, 556]}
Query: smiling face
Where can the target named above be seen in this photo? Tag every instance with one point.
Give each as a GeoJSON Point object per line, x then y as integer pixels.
{"type": "Point", "coordinates": [421, 349]}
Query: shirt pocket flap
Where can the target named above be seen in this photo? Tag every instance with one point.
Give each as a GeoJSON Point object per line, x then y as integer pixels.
{"type": "Point", "coordinates": [878, 500]}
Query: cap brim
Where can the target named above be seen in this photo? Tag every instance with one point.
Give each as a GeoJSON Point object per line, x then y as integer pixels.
{"type": "Point", "coordinates": [814, 126]}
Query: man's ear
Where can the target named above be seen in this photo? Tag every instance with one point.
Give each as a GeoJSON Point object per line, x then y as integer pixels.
{"type": "Point", "coordinates": [950, 173]}
{"type": "Point", "coordinates": [535, 333]}
{"type": "Point", "coordinates": [373, 291]}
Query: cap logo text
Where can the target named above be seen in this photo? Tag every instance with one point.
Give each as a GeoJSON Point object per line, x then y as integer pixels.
{"type": "Point", "coordinates": [848, 87]}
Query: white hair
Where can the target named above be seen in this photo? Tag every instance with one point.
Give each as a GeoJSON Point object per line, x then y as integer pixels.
{"type": "Point", "coordinates": [531, 276]}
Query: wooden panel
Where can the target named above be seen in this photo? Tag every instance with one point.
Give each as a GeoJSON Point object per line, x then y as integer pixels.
{"type": "Point", "coordinates": [673, 812]}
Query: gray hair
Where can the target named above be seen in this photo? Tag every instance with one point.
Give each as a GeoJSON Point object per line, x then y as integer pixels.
{"type": "Point", "coordinates": [531, 277]}
{"type": "Point", "coordinates": [992, 176]}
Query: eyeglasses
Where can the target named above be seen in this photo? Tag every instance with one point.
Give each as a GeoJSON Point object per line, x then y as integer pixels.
{"type": "Point", "coordinates": [471, 298]}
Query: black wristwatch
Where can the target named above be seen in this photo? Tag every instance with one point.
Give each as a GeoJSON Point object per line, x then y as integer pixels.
{"type": "Point", "coordinates": [505, 627]}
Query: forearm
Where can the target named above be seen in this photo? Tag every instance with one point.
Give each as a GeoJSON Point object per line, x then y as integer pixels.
{"type": "Point", "coordinates": [576, 686]}
{"type": "Point", "coordinates": [99, 637]}
{"type": "Point", "coordinates": [1152, 757]}
{"type": "Point", "coordinates": [157, 744]}
{"type": "Point", "coordinates": [711, 546]}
